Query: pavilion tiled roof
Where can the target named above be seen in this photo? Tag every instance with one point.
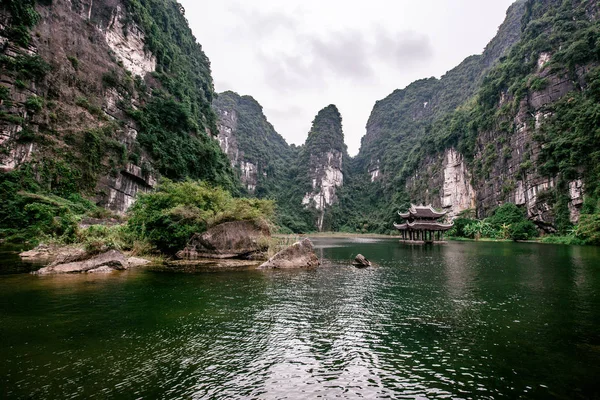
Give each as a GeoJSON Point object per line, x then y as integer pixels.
{"type": "Point", "coordinates": [418, 212]}
{"type": "Point", "coordinates": [424, 226]}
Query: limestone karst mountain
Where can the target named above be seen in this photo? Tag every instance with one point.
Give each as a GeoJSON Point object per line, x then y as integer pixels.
{"type": "Point", "coordinates": [99, 100]}
{"type": "Point", "coordinates": [259, 154]}
{"type": "Point", "coordinates": [304, 180]}
{"type": "Point", "coordinates": [507, 126]}
{"type": "Point", "coordinates": [324, 156]}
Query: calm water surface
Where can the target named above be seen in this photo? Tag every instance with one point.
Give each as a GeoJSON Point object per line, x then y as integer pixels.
{"type": "Point", "coordinates": [463, 320]}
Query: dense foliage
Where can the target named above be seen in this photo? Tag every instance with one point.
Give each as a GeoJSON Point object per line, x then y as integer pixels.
{"type": "Point", "coordinates": [182, 67]}
{"type": "Point", "coordinates": [44, 197]}
{"type": "Point", "coordinates": [30, 212]}
{"type": "Point", "coordinates": [176, 121]}
{"type": "Point", "coordinates": [411, 124]}
{"type": "Point", "coordinates": [278, 165]}
{"type": "Point", "coordinates": [507, 222]}
{"type": "Point", "coordinates": [170, 134]}
{"type": "Point", "coordinates": [326, 132]}
{"type": "Point", "coordinates": [168, 217]}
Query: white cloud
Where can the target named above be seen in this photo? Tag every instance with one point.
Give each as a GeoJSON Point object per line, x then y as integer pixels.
{"type": "Point", "coordinates": [296, 57]}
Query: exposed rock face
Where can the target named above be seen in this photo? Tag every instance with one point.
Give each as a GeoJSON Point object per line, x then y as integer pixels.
{"type": "Point", "coordinates": [327, 176]}
{"type": "Point", "coordinates": [99, 67]}
{"type": "Point", "coordinates": [323, 156]}
{"type": "Point", "coordinates": [576, 191]}
{"type": "Point", "coordinates": [107, 262]}
{"type": "Point", "coordinates": [227, 140]}
{"type": "Point", "coordinates": [444, 180]}
{"type": "Point", "coordinates": [127, 43]}
{"type": "Point", "coordinates": [227, 240]}
{"type": "Point", "coordinates": [123, 189]}
{"type": "Point", "coordinates": [397, 121]}
{"type": "Point", "coordinates": [375, 171]}
{"type": "Point", "coordinates": [254, 148]}
{"type": "Point", "coordinates": [458, 194]}
{"type": "Point", "coordinates": [299, 255]}
{"type": "Point", "coordinates": [510, 160]}
{"type": "Point", "coordinates": [514, 175]}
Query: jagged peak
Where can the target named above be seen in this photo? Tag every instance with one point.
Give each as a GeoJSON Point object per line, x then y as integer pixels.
{"type": "Point", "coordinates": [326, 131]}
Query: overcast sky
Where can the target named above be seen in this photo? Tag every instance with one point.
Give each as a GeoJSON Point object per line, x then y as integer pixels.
{"type": "Point", "coordinates": [297, 56]}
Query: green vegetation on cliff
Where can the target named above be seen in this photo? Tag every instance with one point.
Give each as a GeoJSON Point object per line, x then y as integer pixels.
{"type": "Point", "coordinates": [177, 119]}
{"type": "Point", "coordinates": [478, 108]}
{"type": "Point", "coordinates": [257, 142]}
{"type": "Point", "coordinates": [321, 169]}
{"type": "Point", "coordinates": [410, 124]}
{"type": "Point", "coordinates": [74, 147]}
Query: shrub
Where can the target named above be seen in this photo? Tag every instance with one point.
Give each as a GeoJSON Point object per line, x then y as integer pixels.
{"type": "Point", "coordinates": [507, 213]}
{"type": "Point", "coordinates": [110, 79]}
{"type": "Point", "coordinates": [510, 222]}
{"type": "Point", "coordinates": [74, 62]}
{"type": "Point", "coordinates": [4, 93]}
{"type": "Point", "coordinates": [459, 227]}
{"type": "Point", "coordinates": [522, 230]}
{"type": "Point", "coordinates": [34, 104]}
{"type": "Point", "coordinates": [479, 229]}
{"type": "Point", "coordinates": [168, 217]}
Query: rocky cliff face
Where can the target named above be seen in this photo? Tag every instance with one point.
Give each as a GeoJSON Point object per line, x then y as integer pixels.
{"type": "Point", "coordinates": [519, 154]}
{"type": "Point", "coordinates": [324, 154]}
{"type": "Point", "coordinates": [398, 121]}
{"type": "Point", "coordinates": [503, 137]}
{"type": "Point", "coordinates": [445, 181]}
{"type": "Point", "coordinates": [78, 109]}
{"type": "Point", "coordinates": [256, 151]}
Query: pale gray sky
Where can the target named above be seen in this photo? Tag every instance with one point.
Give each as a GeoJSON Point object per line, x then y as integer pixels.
{"type": "Point", "coordinates": [297, 56]}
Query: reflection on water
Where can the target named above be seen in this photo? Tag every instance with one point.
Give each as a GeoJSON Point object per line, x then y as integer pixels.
{"type": "Point", "coordinates": [463, 320]}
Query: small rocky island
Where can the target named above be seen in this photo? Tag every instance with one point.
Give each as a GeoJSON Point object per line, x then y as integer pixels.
{"type": "Point", "coordinates": [236, 243]}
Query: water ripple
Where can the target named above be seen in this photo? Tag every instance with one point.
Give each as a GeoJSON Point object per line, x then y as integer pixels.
{"type": "Point", "coordinates": [448, 322]}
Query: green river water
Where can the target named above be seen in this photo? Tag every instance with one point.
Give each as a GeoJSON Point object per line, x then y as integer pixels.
{"type": "Point", "coordinates": [461, 320]}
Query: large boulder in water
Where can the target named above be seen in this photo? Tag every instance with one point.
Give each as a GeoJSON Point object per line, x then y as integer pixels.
{"type": "Point", "coordinates": [227, 240]}
{"type": "Point", "coordinates": [106, 262]}
{"type": "Point", "coordinates": [298, 255]}
{"type": "Point", "coordinates": [361, 262]}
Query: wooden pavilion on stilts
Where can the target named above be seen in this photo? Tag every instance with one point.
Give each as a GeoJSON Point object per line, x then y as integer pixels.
{"type": "Point", "coordinates": [421, 225]}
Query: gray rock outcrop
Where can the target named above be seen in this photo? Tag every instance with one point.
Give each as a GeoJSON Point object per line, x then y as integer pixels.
{"type": "Point", "coordinates": [227, 240]}
{"type": "Point", "coordinates": [299, 255]}
{"type": "Point", "coordinates": [54, 255]}
{"type": "Point", "coordinates": [361, 262]}
{"type": "Point", "coordinates": [106, 262]}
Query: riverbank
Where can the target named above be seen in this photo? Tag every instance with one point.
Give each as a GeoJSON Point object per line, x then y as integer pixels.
{"type": "Point", "coordinates": [550, 239]}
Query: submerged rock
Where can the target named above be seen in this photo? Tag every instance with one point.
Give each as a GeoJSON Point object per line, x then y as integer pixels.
{"type": "Point", "coordinates": [137, 262]}
{"type": "Point", "coordinates": [106, 262]}
{"type": "Point", "coordinates": [299, 255]}
{"type": "Point", "coordinates": [361, 262]}
{"type": "Point", "coordinates": [227, 240]}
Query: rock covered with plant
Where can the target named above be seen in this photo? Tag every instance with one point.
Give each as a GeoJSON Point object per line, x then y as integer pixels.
{"type": "Point", "coordinates": [97, 100]}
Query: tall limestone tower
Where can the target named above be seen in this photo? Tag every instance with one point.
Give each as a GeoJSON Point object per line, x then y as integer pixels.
{"type": "Point", "coordinates": [323, 157]}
